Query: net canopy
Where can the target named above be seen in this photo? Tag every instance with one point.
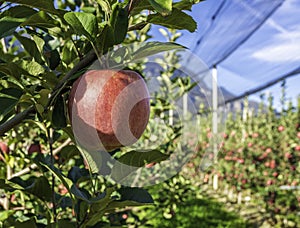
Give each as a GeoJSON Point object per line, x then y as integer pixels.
{"type": "Point", "coordinates": [253, 44]}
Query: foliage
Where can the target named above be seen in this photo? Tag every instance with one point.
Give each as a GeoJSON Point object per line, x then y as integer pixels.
{"type": "Point", "coordinates": [45, 46]}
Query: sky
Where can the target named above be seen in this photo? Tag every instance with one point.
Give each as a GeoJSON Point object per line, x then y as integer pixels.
{"type": "Point", "coordinates": [270, 52]}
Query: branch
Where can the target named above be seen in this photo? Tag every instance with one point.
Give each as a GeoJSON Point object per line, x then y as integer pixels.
{"type": "Point", "coordinates": [131, 4]}
{"type": "Point", "coordinates": [34, 166]}
{"type": "Point", "coordinates": [18, 118]}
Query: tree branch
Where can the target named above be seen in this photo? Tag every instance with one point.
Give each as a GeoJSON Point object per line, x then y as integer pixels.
{"type": "Point", "coordinates": [34, 166]}
{"type": "Point", "coordinates": [18, 118]}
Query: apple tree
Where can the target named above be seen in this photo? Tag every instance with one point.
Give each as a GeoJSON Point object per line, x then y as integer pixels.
{"type": "Point", "coordinates": [45, 178]}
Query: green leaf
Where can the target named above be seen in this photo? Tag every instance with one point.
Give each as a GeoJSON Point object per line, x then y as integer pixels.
{"type": "Point", "coordinates": [5, 214]}
{"type": "Point", "coordinates": [8, 25]}
{"type": "Point", "coordinates": [76, 173]}
{"type": "Point", "coordinates": [79, 194]}
{"type": "Point", "coordinates": [139, 159]}
{"type": "Point", "coordinates": [33, 68]}
{"type": "Point", "coordinates": [164, 7]}
{"type": "Point", "coordinates": [135, 194]}
{"type": "Point", "coordinates": [40, 4]}
{"type": "Point", "coordinates": [141, 5]}
{"type": "Point", "coordinates": [130, 197]}
{"type": "Point", "coordinates": [42, 20]}
{"type": "Point", "coordinates": [40, 188]}
{"type": "Point", "coordinates": [68, 152]}
{"type": "Point", "coordinates": [152, 48]}
{"type": "Point", "coordinates": [97, 210]}
{"type": "Point", "coordinates": [65, 223]}
{"type": "Point", "coordinates": [119, 23]}
{"type": "Point", "coordinates": [185, 4]}
{"type": "Point", "coordinates": [9, 98]}
{"type": "Point", "coordinates": [69, 53]}
{"type": "Point", "coordinates": [176, 20]}
{"type": "Point", "coordinates": [59, 114]}
{"type": "Point", "coordinates": [83, 24]}
{"type": "Point", "coordinates": [105, 6]}
{"type": "Point", "coordinates": [30, 46]}
{"type": "Point", "coordinates": [65, 181]}
{"type": "Point", "coordinates": [18, 12]}
{"type": "Point", "coordinates": [12, 69]}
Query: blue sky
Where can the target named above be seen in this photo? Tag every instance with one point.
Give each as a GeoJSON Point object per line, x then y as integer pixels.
{"type": "Point", "coordinates": [273, 50]}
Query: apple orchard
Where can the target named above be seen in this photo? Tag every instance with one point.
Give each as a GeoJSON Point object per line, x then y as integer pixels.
{"type": "Point", "coordinates": [94, 129]}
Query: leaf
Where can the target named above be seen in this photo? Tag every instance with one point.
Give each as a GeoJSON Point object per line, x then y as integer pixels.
{"type": "Point", "coordinates": [66, 182]}
{"type": "Point", "coordinates": [18, 12]}
{"type": "Point", "coordinates": [79, 194]}
{"type": "Point", "coordinates": [9, 98]}
{"type": "Point", "coordinates": [12, 69]}
{"type": "Point", "coordinates": [8, 25]}
{"type": "Point", "coordinates": [33, 68]}
{"type": "Point", "coordinates": [59, 114]}
{"type": "Point", "coordinates": [83, 24]}
{"type": "Point", "coordinates": [164, 7]}
{"type": "Point", "coordinates": [40, 188]}
{"type": "Point", "coordinates": [65, 223]}
{"type": "Point", "coordinates": [119, 23]}
{"type": "Point", "coordinates": [40, 4]}
{"type": "Point", "coordinates": [76, 173]}
{"type": "Point", "coordinates": [176, 20]}
{"type": "Point", "coordinates": [135, 194]}
{"type": "Point", "coordinates": [130, 197]}
{"type": "Point", "coordinates": [69, 53]}
{"type": "Point", "coordinates": [5, 214]}
{"type": "Point", "coordinates": [139, 159]}
{"type": "Point", "coordinates": [97, 210]}
{"type": "Point", "coordinates": [68, 152]}
{"type": "Point", "coordinates": [152, 48]}
{"type": "Point", "coordinates": [141, 5]}
{"type": "Point", "coordinates": [185, 4]}
{"type": "Point", "coordinates": [42, 20]}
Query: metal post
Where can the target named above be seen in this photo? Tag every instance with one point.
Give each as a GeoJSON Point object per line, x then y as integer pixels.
{"type": "Point", "coordinates": [215, 121]}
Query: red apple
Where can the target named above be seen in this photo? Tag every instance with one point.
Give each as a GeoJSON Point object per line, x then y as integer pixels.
{"type": "Point", "coordinates": [298, 135]}
{"type": "Point", "coordinates": [281, 128]}
{"type": "Point", "coordinates": [268, 150]}
{"type": "Point", "coordinates": [34, 148]}
{"type": "Point", "coordinates": [273, 164]}
{"type": "Point", "coordinates": [4, 148]}
{"type": "Point", "coordinates": [297, 148]}
{"type": "Point", "coordinates": [108, 109]}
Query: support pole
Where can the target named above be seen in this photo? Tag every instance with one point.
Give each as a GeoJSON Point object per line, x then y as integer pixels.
{"type": "Point", "coordinates": [215, 121]}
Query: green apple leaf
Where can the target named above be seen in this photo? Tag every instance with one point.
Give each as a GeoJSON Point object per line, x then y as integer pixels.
{"type": "Point", "coordinates": [47, 6]}
{"type": "Point", "coordinates": [30, 46]}
{"type": "Point", "coordinates": [9, 98]}
{"type": "Point", "coordinates": [119, 23]}
{"type": "Point", "coordinates": [152, 48]}
{"type": "Point", "coordinates": [164, 7]}
{"type": "Point", "coordinates": [139, 159]}
{"type": "Point", "coordinates": [83, 24]}
{"type": "Point", "coordinates": [176, 20]}
{"type": "Point", "coordinates": [59, 119]}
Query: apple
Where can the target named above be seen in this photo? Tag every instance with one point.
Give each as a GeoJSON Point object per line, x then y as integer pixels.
{"type": "Point", "coordinates": [273, 164]}
{"type": "Point", "coordinates": [298, 135]}
{"type": "Point", "coordinates": [297, 148]}
{"type": "Point", "coordinates": [4, 148]}
{"type": "Point", "coordinates": [34, 148]}
{"type": "Point", "coordinates": [108, 109]}
{"type": "Point", "coordinates": [281, 128]}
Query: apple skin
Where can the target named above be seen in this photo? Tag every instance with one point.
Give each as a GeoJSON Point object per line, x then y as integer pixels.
{"type": "Point", "coordinates": [108, 109]}
{"type": "Point", "coordinates": [4, 148]}
{"type": "Point", "coordinates": [34, 148]}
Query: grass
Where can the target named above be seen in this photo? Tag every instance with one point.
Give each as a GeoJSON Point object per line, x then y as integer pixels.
{"type": "Point", "coordinates": [200, 213]}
